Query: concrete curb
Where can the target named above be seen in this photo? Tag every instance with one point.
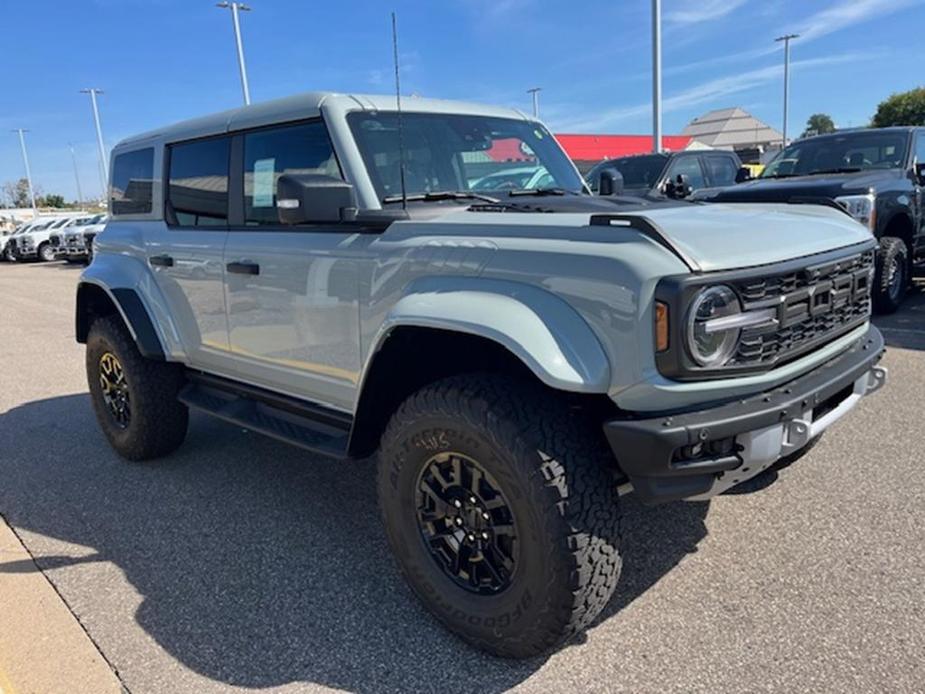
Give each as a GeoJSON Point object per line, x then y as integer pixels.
{"type": "Point", "coordinates": [43, 648]}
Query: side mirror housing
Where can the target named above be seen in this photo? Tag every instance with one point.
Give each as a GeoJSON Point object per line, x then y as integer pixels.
{"type": "Point", "coordinates": [743, 174]}
{"type": "Point", "coordinates": [611, 182]}
{"type": "Point", "coordinates": [920, 172]}
{"type": "Point", "coordinates": [314, 199]}
{"type": "Point", "coordinates": [678, 188]}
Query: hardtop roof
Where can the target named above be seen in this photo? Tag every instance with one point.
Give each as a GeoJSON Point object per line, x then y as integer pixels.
{"type": "Point", "coordinates": [303, 106]}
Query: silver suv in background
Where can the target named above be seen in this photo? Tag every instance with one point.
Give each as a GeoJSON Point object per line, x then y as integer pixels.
{"type": "Point", "coordinates": [327, 271]}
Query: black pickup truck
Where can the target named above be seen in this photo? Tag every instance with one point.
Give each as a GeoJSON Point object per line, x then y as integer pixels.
{"type": "Point", "coordinates": [877, 175]}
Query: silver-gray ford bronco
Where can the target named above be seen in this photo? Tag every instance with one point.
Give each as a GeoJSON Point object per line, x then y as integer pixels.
{"type": "Point", "coordinates": [436, 285]}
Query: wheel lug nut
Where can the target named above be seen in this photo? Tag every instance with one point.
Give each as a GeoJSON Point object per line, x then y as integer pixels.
{"type": "Point", "coordinates": [457, 503]}
{"type": "Point", "coordinates": [471, 538]}
{"type": "Point", "coordinates": [458, 521]}
{"type": "Point", "coordinates": [472, 499]}
{"type": "Point", "coordinates": [485, 515]}
{"type": "Point", "coordinates": [484, 536]}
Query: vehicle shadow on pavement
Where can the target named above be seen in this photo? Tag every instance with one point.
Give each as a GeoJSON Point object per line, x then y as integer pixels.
{"type": "Point", "coordinates": [905, 329]}
{"type": "Point", "coordinates": [258, 564]}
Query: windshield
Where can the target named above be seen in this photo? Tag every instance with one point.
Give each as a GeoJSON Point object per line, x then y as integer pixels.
{"type": "Point", "coordinates": [448, 152]}
{"type": "Point", "coordinates": [638, 172]}
{"type": "Point", "coordinates": [846, 153]}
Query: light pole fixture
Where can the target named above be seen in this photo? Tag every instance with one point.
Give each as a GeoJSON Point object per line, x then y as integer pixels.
{"type": "Point", "coordinates": [656, 75]}
{"type": "Point", "coordinates": [25, 160]}
{"type": "Point", "coordinates": [93, 91]}
{"type": "Point", "coordinates": [786, 39]}
{"type": "Point", "coordinates": [235, 8]}
{"type": "Point", "coordinates": [80, 195]}
{"type": "Point", "coordinates": [536, 100]}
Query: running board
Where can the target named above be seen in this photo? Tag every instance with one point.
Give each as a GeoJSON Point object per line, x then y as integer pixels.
{"type": "Point", "coordinates": [301, 424]}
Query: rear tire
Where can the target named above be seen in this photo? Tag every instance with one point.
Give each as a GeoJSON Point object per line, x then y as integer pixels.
{"type": "Point", "coordinates": [135, 399]}
{"type": "Point", "coordinates": [892, 276]}
{"type": "Point", "coordinates": [544, 476]}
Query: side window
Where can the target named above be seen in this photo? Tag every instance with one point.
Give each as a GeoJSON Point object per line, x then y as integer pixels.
{"type": "Point", "coordinates": [197, 194]}
{"type": "Point", "coordinates": [722, 170]}
{"type": "Point", "coordinates": [132, 182]}
{"type": "Point", "coordinates": [268, 154]}
{"type": "Point", "coordinates": [920, 148]}
{"type": "Point", "coordinates": [690, 167]}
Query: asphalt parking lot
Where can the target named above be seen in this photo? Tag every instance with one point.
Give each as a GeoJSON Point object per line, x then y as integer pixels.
{"type": "Point", "coordinates": [239, 562]}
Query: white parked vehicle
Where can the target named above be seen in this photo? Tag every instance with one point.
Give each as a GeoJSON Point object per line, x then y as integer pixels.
{"type": "Point", "coordinates": [77, 239]}
{"type": "Point", "coordinates": [35, 244]}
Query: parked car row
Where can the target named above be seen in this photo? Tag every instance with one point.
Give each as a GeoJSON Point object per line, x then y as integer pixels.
{"type": "Point", "coordinates": [68, 237]}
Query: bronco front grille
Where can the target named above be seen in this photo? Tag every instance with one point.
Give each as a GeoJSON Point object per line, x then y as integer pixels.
{"type": "Point", "coordinates": [812, 305]}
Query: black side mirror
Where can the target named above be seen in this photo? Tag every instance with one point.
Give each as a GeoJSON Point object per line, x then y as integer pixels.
{"type": "Point", "coordinates": [678, 188]}
{"type": "Point", "coordinates": [610, 182]}
{"type": "Point", "coordinates": [314, 199]}
{"type": "Point", "coordinates": [743, 174]}
{"type": "Point", "coordinates": [920, 172]}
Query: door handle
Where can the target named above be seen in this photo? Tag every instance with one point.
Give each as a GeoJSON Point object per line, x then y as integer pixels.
{"type": "Point", "coordinates": [243, 268]}
{"type": "Point", "coordinates": [161, 260]}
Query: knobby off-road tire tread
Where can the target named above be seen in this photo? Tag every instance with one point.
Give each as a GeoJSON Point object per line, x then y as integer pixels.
{"type": "Point", "coordinates": [890, 247]}
{"type": "Point", "coordinates": [581, 508]}
{"type": "Point", "coordinates": [159, 421]}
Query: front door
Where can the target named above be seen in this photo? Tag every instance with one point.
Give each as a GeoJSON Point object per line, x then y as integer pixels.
{"type": "Point", "coordinates": [291, 292]}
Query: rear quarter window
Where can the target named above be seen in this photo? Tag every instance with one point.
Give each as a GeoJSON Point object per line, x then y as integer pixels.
{"type": "Point", "coordinates": [132, 182]}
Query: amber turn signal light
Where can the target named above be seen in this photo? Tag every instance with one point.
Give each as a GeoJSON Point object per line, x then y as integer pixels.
{"type": "Point", "coordinates": [661, 326]}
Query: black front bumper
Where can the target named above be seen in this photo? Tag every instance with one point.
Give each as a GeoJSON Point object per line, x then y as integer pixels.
{"type": "Point", "coordinates": [647, 449]}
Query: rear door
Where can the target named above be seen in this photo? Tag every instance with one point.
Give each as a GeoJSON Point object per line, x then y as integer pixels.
{"type": "Point", "coordinates": [919, 194]}
{"type": "Point", "coordinates": [186, 253]}
{"type": "Point", "coordinates": [291, 292]}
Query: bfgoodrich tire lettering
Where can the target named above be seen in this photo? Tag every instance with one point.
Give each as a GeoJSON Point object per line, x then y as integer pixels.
{"type": "Point", "coordinates": [157, 421]}
{"type": "Point", "coordinates": [554, 472]}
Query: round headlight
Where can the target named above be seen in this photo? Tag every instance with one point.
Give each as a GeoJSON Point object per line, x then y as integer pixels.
{"type": "Point", "coordinates": [709, 343]}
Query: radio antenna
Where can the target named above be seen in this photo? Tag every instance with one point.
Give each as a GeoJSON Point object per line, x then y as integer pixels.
{"type": "Point", "coordinates": [401, 132]}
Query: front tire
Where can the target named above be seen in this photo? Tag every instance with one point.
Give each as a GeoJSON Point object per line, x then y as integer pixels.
{"type": "Point", "coordinates": [500, 505]}
{"type": "Point", "coordinates": [135, 399]}
{"type": "Point", "coordinates": [892, 276]}
{"type": "Point", "coordinates": [46, 252]}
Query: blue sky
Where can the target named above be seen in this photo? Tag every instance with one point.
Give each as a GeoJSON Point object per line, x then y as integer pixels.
{"type": "Point", "coordinates": [161, 61]}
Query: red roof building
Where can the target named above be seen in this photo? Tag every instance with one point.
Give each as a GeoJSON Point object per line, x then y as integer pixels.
{"type": "Point", "coordinates": [594, 148]}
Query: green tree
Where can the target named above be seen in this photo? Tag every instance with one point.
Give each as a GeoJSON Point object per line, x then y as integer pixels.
{"type": "Point", "coordinates": [819, 124]}
{"type": "Point", "coordinates": [905, 108]}
{"type": "Point", "coordinates": [50, 200]}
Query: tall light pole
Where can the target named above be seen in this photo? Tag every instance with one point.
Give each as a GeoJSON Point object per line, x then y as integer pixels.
{"type": "Point", "coordinates": [237, 7]}
{"type": "Point", "coordinates": [656, 75]}
{"type": "Point", "coordinates": [25, 160]}
{"type": "Point", "coordinates": [786, 39]}
{"type": "Point", "coordinates": [536, 100]}
{"type": "Point", "coordinates": [80, 195]}
{"type": "Point", "coordinates": [93, 91]}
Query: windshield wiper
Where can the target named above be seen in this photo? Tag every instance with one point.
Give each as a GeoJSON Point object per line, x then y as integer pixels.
{"type": "Point", "coordinates": [541, 191]}
{"type": "Point", "coordinates": [840, 169]}
{"type": "Point", "coordinates": [438, 195]}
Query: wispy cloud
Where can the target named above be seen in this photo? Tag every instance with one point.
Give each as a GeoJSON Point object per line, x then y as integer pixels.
{"type": "Point", "coordinates": [696, 11]}
{"type": "Point", "coordinates": [705, 92]}
{"type": "Point", "coordinates": [841, 15]}
{"type": "Point", "coordinates": [847, 13]}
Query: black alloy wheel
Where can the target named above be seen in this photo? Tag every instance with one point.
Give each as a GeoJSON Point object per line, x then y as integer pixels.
{"type": "Point", "coordinates": [466, 523]}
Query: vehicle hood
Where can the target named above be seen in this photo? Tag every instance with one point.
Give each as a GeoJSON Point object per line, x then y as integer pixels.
{"type": "Point", "coordinates": [819, 186]}
{"type": "Point", "coordinates": [728, 236]}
